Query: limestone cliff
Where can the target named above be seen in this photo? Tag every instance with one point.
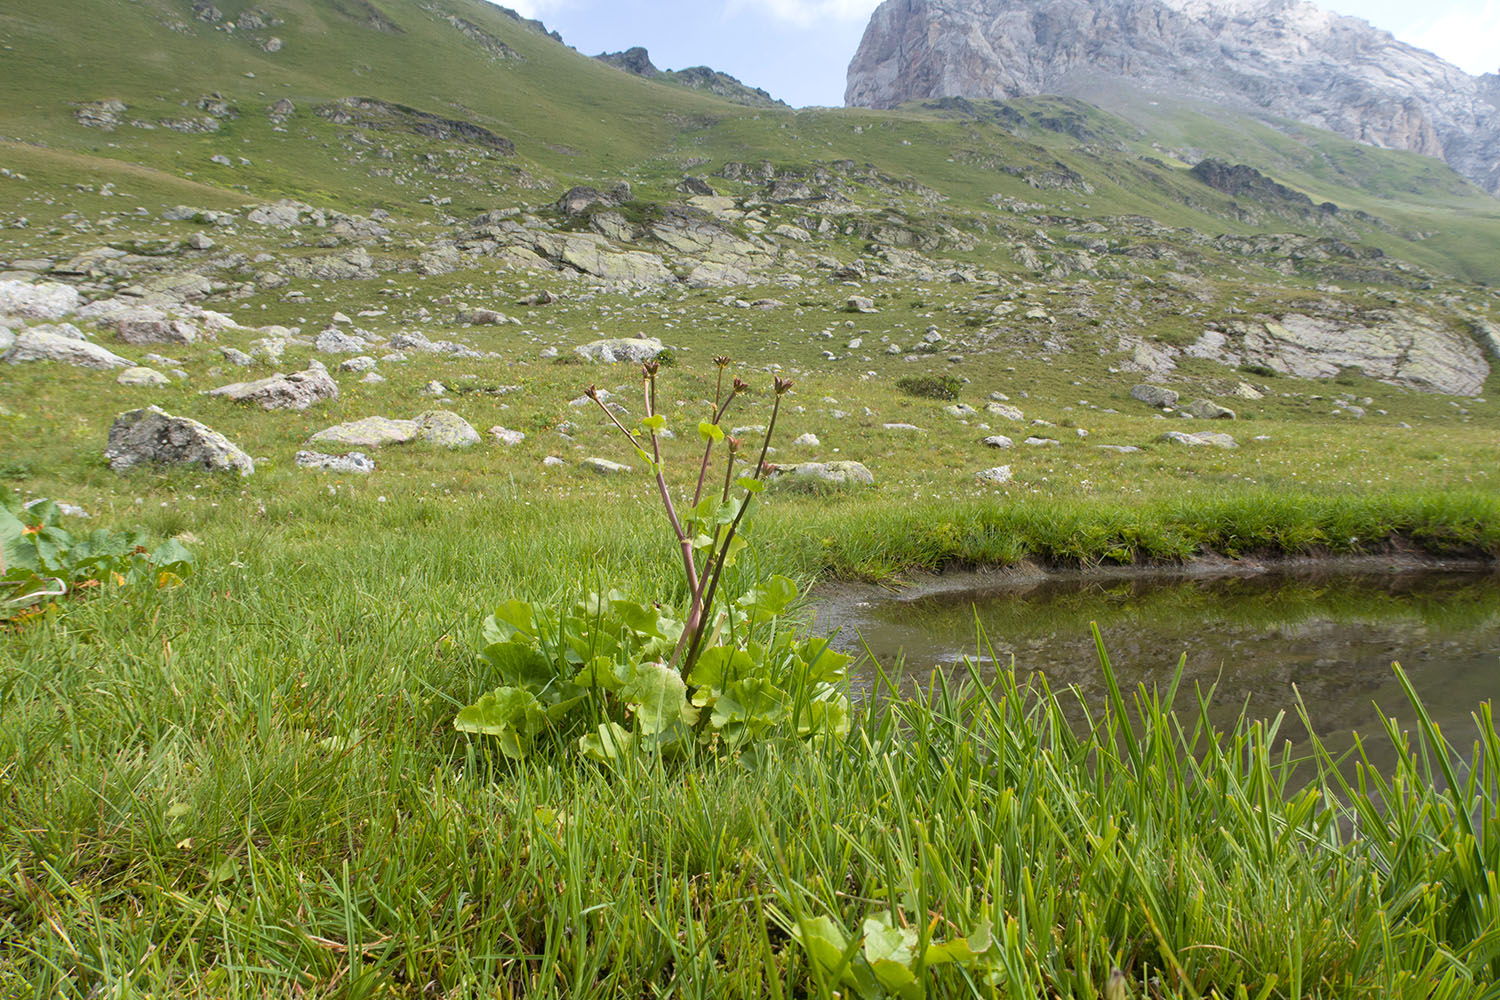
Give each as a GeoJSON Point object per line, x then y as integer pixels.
{"type": "Point", "coordinates": [1282, 57]}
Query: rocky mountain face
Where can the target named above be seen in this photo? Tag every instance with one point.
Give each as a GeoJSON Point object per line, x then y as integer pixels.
{"type": "Point", "coordinates": [1286, 58]}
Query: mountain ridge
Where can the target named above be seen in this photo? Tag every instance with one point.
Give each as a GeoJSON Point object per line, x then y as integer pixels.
{"type": "Point", "coordinates": [1284, 58]}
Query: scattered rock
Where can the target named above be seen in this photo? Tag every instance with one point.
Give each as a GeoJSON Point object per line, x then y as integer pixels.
{"type": "Point", "coordinates": [506, 437]}
{"type": "Point", "coordinates": [604, 466]}
{"type": "Point", "coordinates": [1199, 439]}
{"type": "Point", "coordinates": [1004, 411]}
{"type": "Point", "coordinates": [998, 441]}
{"type": "Point", "coordinates": [1040, 442]}
{"type": "Point", "coordinates": [354, 462]}
{"type": "Point", "coordinates": [142, 376]}
{"type": "Point", "coordinates": [631, 349]}
{"type": "Point", "coordinates": [999, 475]}
{"type": "Point", "coordinates": [236, 357]}
{"type": "Point", "coordinates": [1207, 409]}
{"type": "Point", "coordinates": [42, 300]}
{"type": "Point", "coordinates": [961, 410]}
{"type": "Point", "coordinates": [859, 304]}
{"type": "Point", "coordinates": [543, 298]}
{"type": "Point", "coordinates": [296, 391]}
{"type": "Point", "coordinates": [808, 440]}
{"type": "Point", "coordinates": [1123, 449]}
{"type": "Point", "coordinates": [369, 432]}
{"type": "Point", "coordinates": [1153, 395]}
{"type": "Point", "coordinates": [551, 461]}
{"type": "Point", "coordinates": [146, 328]}
{"type": "Point", "coordinates": [332, 341]}
{"type": "Point", "coordinates": [904, 427]}
{"type": "Point", "coordinates": [830, 473]}
{"type": "Point", "coordinates": [47, 343]}
{"type": "Point", "coordinates": [363, 363]}
{"type": "Point", "coordinates": [155, 436]}
{"type": "Point", "coordinates": [1247, 391]}
{"type": "Point", "coordinates": [445, 429]}
{"type": "Point", "coordinates": [482, 317]}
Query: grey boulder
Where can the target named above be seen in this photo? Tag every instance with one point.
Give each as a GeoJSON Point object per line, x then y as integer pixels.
{"type": "Point", "coordinates": [296, 391]}
{"type": "Point", "coordinates": [829, 473]}
{"type": "Point", "coordinates": [355, 461]}
{"type": "Point", "coordinates": [631, 349]}
{"type": "Point", "coordinates": [1153, 395]}
{"type": "Point", "coordinates": [45, 343]}
{"type": "Point", "coordinates": [1200, 439]}
{"type": "Point", "coordinates": [154, 436]}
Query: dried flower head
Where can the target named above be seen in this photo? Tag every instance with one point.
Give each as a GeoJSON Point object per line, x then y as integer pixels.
{"type": "Point", "coordinates": [734, 444]}
{"type": "Point", "coordinates": [782, 385]}
{"type": "Point", "coordinates": [592, 392]}
{"type": "Point", "coordinates": [740, 385]}
{"type": "Point", "coordinates": [722, 360]}
{"type": "Point", "coordinates": [650, 368]}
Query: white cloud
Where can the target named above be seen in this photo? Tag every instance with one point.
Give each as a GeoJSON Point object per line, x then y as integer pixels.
{"type": "Point", "coordinates": [806, 12]}
{"type": "Point", "coordinates": [1468, 38]}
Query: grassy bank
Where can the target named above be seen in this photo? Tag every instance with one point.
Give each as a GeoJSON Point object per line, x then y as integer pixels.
{"type": "Point", "coordinates": [221, 820]}
{"type": "Point", "coordinates": [249, 785]}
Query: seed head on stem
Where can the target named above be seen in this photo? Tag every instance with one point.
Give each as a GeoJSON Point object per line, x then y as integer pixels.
{"type": "Point", "coordinates": [782, 385]}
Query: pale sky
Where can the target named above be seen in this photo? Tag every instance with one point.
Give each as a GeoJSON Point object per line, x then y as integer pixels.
{"type": "Point", "coordinates": [799, 50]}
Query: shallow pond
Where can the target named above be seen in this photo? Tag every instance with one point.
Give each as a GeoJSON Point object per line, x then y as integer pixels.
{"type": "Point", "coordinates": [1333, 636]}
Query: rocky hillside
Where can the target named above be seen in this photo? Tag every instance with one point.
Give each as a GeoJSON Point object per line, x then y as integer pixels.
{"type": "Point", "coordinates": [638, 62]}
{"type": "Point", "coordinates": [1284, 58]}
{"type": "Point", "coordinates": [437, 177]}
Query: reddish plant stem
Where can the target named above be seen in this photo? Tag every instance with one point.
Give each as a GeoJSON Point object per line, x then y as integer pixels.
{"type": "Point", "coordinates": [723, 551]}
{"type": "Point", "coordinates": [683, 541]}
{"type": "Point", "coordinates": [709, 447]}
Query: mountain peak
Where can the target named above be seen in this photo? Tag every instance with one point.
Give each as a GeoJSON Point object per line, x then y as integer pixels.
{"type": "Point", "coordinates": [1278, 58]}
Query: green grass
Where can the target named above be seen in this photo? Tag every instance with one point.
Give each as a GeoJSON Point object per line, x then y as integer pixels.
{"type": "Point", "coordinates": [249, 785]}
{"type": "Point", "coordinates": [265, 802]}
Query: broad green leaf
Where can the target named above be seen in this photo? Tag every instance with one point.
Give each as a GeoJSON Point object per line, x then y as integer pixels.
{"type": "Point", "coordinates": [956, 950]}
{"type": "Point", "coordinates": [770, 598]}
{"type": "Point", "coordinates": [749, 484]}
{"type": "Point", "coordinates": [736, 546]}
{"type": "Point", "coordinates": [655, 422]}
{"type": "Point", "coordinates": [604, 672]}
{"type": "Point", "coordinates": [710, 431]}
{"type": "Point", "coordinates": [520, 665]}
{"type": "Point", "coordinates": [982, 937]}
{"type": "Point", "coordinates": [825, 944]}
{"type": "Point", "coordinates": [644, 619]}
{"type": "Point", "coordinates": [609, 742]}
{"type": "Point", "coordinates": [646, 457]}
{"type": "Point", "coordinates": [658, 697]}
{"type": "Point", "coordinates": [824, 718]}
{"type": "Point", "coordinates": [11, 526]}
{"type": "Point", "coordinates": [823, 663]}
{"type": "Point", "coordinates": [747, 708]}
{"type": "Point", "coordinates": [173, 555]}
{"type": "Point", "coordinates": [510, 714]}
{"type": "Point", "coordinates": [509, 618]}
{"type": "Point", "coordinates": [717, 667]}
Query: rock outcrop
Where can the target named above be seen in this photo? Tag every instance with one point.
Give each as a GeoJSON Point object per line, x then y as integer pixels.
{"type": "Point", "coordinates": [1286, 58]}
{"type": "Point", "coordinates": [155, 436]}
{"type": "Point", "coordinates": [294, 391]}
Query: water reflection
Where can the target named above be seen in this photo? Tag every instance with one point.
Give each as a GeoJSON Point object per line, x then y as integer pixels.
{"type": "Point", "coordinates": [1332, 636]}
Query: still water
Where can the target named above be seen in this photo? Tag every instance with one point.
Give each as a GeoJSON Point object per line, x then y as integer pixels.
{"type": "Point", "coordinates": [1333, 636]}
